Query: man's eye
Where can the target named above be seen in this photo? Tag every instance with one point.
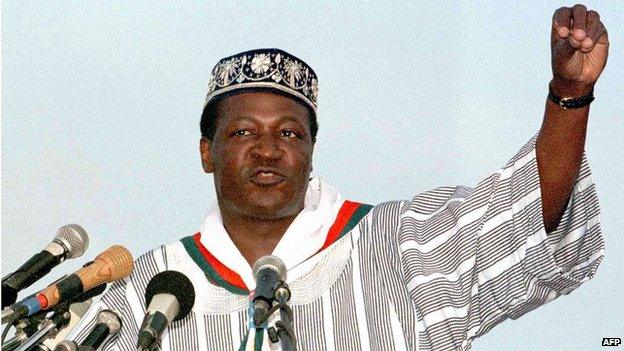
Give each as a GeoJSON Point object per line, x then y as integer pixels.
{"type": "Point", "coordinates": [288, 134]}
{"type": "Point", "coordinates": [242, 132]}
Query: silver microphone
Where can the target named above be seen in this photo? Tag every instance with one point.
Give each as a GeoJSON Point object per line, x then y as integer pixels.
{"type": "Point", "coordinates": [70, 241]}
{"type": "Point", "coordinates": [268, 271]}
{"type": "Point", "coordinates": [169, 296]}
{"type": "Point", "coordinates": [108, 323]}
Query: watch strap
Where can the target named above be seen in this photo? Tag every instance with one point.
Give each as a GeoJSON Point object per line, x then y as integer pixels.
{"type": "Point", "coordinates": [571, 102]}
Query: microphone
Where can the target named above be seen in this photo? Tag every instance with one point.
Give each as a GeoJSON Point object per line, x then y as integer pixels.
{"type": "Point", "coordinates": [26, 328]}
{"type": "Point", "coordinates": [268, 271]}
{"type": "Point", "coordinates": [70, 241]}
{"type": "Point", "coordinates": [56, 331]}
{"type": "Point", "coordinates": [113, 264]}
{"type": "Point", "coordinates": [108, 323]}
{"type": "Point", "coordinates": [77, 311]}
{"type": "Point", "coordinates": [48, 328]}
{"type": "Point", "coordinates": [170, 297]}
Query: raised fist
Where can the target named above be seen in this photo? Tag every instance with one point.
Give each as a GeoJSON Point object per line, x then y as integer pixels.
{"type": "Point", "coordinates": [579, 46]}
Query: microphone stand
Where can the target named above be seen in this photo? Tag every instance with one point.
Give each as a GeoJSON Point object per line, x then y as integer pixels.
{"type": "Point", "coordinates": [48, 328]}
{"type": "Point", "coordinates": [285, 331]}
{"type": "Point", "coordinates": [15, 341]}
{"type": "Point", "coordinates": [24, 329]}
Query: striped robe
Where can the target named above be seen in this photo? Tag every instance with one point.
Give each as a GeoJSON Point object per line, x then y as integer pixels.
{"type": "Point", "coordinates": [432, 273]}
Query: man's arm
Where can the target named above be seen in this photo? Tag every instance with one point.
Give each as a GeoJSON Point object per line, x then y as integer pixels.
{"type": "Point", "coordinates": [579, 45]}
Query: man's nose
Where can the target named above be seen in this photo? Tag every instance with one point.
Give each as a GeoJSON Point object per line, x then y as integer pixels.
{"type": "Point", "coordinates": [267, 147]}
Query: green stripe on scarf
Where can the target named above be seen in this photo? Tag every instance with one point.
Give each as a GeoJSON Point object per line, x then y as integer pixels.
{"type": "Point", "coordinates": [198, 258]}
{"type": "Point", "coordinates": [355, 219]}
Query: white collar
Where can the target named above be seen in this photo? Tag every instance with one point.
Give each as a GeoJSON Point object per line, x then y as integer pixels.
{"type": "Point", "coordinates": [303, 238]}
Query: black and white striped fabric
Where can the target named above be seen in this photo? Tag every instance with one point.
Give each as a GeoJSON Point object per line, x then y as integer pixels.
{"type": "Point", "coordinates": [432, 273]}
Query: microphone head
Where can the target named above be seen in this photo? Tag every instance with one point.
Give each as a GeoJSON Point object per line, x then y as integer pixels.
{"type": "Point", "coordinates": [271, 262]}
{"type": "Point", "coordinates": [74, 238]}
{"type": "Point", "coordinates": [111, 318]}
{"type": "Point", "coordinates": [172, 283]}
{"type": "Point", "coordinates": [118, 260]}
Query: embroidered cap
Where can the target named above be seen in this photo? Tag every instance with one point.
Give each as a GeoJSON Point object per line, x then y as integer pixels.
{"type": "Point", "coordinates": [264, 69]}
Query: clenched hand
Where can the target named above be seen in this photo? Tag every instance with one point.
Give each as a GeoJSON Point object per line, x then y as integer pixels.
{"type": "Point", "coordinates": [580, 46]}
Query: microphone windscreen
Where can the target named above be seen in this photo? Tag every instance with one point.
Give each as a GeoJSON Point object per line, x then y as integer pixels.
{"type": "Point", "coordinates": [74, 238]}
{"type": "Point", "coordinates": [270, 261]}
{"type": "Point", "coordinates": [173, 283]}
{"type": "Point", "coordinates": [112, 319]}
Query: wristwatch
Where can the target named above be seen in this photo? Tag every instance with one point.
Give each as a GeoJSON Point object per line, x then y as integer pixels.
{"type": "Point", "coordinates": [571, 102]}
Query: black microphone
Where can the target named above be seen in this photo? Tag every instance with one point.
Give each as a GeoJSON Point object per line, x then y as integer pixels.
{"type": "Point", "coordinates": [170, 297]}
{"type": "Point", "coordinates": [268, 271]}
{"type": "Point", "coordinates": [108, 323]}
{"type": "Point", "coordinates": [71, 241]}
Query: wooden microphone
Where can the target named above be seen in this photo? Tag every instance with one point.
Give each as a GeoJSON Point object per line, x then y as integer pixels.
{"type": "Point", "coordinates": [113, 264]}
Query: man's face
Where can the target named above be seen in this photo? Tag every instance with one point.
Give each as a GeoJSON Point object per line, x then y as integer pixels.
{"type": "Point", "coordinates": [261, 155]}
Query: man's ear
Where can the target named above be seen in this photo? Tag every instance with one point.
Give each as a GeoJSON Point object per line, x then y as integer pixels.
{"type": "Point", "coordinates": [204, 151]}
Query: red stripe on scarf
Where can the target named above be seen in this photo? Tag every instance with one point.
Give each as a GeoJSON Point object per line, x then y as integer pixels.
{"type": "Point", "coordinates": [222, 270]}
{"type": "Point", "coordinates": [344, 214]}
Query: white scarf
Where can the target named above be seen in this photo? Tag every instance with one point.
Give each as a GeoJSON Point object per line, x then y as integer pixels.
{"type": "Point", "coordinates": [303, 238]}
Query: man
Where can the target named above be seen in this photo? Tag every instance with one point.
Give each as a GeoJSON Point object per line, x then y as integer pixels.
{"type": "Point", "coordinates": [434, 272]}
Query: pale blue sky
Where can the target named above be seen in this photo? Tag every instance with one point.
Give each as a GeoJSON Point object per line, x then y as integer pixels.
{"type": "Point", "coordinates": [101, 104]}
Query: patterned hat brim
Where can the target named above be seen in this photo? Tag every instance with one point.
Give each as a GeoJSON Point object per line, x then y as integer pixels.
{"type": "Point", "coordinates": [254, 86]}
{"type": "Point", "coordinates": [271, 69]}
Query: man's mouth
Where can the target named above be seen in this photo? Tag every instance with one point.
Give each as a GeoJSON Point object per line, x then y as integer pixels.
{"type": "Point", "coordinates": [266, 177]}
